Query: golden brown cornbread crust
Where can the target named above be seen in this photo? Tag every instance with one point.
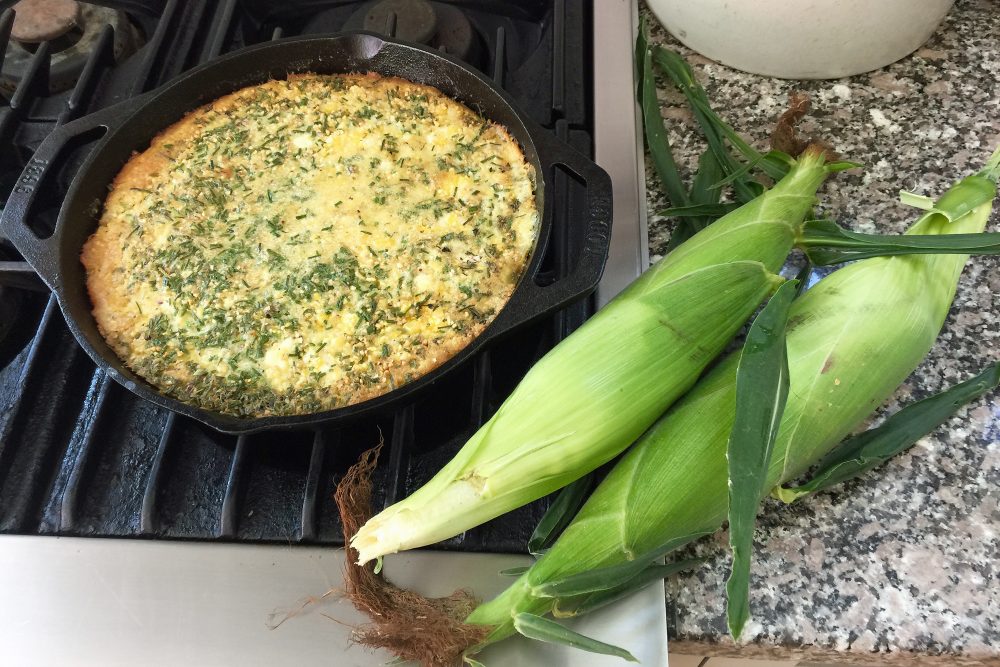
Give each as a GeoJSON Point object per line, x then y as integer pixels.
{"type": "Point", "coordinates": [310, 243]}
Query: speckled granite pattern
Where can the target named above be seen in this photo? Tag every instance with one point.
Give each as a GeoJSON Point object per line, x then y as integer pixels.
{"type": "Point", "coordinates": [907, 558]}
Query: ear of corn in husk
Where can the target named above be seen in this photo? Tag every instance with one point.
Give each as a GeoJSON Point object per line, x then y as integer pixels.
{"type": "Point", "coordinates": [851, 340]}
{"type": "Point", "coordinates": [599, 389]}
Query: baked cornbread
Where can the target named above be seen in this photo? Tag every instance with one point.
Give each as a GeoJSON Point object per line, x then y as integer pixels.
{"type": "Point", "coordinates": [310, 243]}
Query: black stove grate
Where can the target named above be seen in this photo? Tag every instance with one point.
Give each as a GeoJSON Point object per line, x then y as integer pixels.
{"type": "Point", "coordinates": [80, 455]}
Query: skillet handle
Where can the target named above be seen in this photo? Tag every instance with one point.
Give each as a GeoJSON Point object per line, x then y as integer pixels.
{"type": "Point", "coordinates": [531, 299]}
{"type": "Point", "coordinates": [35, 184]}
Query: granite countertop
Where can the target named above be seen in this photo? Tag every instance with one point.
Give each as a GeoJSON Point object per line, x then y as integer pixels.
{"type": "Point", "coordinates": [906, 558]}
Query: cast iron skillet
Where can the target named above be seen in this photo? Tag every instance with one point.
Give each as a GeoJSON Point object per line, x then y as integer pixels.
{"type": "Point", "coordinates": [129, 126]}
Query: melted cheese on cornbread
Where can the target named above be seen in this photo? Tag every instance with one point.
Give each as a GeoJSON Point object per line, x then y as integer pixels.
{"type": "Point", "coordinates": [309, 243]}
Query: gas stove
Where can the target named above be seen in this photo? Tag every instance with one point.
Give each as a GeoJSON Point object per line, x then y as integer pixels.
{"type": "Point", "coordinates": [82, 457]}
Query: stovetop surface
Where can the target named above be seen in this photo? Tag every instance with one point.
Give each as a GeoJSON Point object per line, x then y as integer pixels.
{"type": "Point", "coordinates": [80, 455]}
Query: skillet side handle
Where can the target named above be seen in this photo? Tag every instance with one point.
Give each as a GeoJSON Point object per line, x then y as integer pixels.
{"type": "Point", "coordinates": [31, 186]}
{"type": "Point", "coordinates": [530, 299]}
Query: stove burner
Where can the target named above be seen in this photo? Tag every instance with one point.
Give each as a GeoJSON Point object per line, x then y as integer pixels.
{"type": "Point", "coordinates": [414, 20]}
{"type": "Point", "coordinates": [72, 30]}
{"type": "Point", "coordinates": [436, 24]}
{"type": "Point", "coordinates": [79, 456]}
{"type": "Point", "coordinates": [10, 306]}
{"type": "Point", "coordinates": [39, 21]}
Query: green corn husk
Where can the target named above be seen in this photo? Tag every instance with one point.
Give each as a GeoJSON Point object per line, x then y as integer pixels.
{"type": "Point", "coordinates": [851, 340]}
{"type": "Point", "coordinates": [597, 391]}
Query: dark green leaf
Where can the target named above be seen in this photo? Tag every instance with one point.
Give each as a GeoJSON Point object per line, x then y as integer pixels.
{"type": "Point", "coordinates": [775, 164]}
{"type": "Point", "coordinates": [698, 210]}
{"type": "Point", "coordinates": [803, 277]}
{"type": "Point", "coordinates": [746, 168]}
{"type": "Point", "coordinates": [605, 578]}
{"type": "Point", "coordinates": [583, 605]}
{"type": "Point", "coordinates": [682, 76]}
{"type": "Point", "coordinates": [861, 453]}
{"type": "Point", "coordinates": [682, 231]}
{"type": "Point", "coordinates": [514, 571]}
{"type": "Point", "coordinates": [658, 143]}
{"type": "Point", "coordinates": [761, 391]}
{"type": "Point", "coordinates": [560, 513]}
{"type": "Point", "coordinates": [656, 137]}
{"type": "Point", "coordinates": [547, 630]}
{"type": "Point", "coordinates": [738, 175]}
{"type": "Point", "coordinates": [756, 189]}
{"type": "Point", "coordinates": [641, 46]}
{"type": "Point", "coordinates": [826, 243]}
{"type": "Point", "coordinates": [709, 172]}
{"type": "Point", "coordinates": [680, 72]}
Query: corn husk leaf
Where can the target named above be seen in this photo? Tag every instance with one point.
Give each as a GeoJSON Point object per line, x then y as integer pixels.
{"type": "Point", "coordinates": [641, 46]}
{"type": "Point", "coordinates": [922, 202]}
{"type": "Point", "coordinates": [803, 277]}
{"type": "Point", "coordinates": [704, 207]}
{"type": "Point", "coordinates": [774, 165]}
{"type": "Point", "coordinates": [761, 392]}
{"type": "Point", "coordinates": [658, 143]}
{"type": "Point", "coordinates": [560, 512]}
{"type": "Point", "coordinates": [580, 605]}
{"type": "Point", "coordinates": [533, 626]}
{"type": "Point", "coordinates": [964, 197]}
{"type": "Point", "coordinates": [606, 578]}
{"type": "Point", "coordinates": [698, 210]}
{"type": "Point", "coordinates": [657, 139]}
{"type": "Point", "coordinates": [743, 171]}
{"type": "Point", "coordinates": [712, 127]}
{"type": "Point", "coordinates": [971, 193]}
{"type": "Point", "coordinates": [717, 166]}
{"type": "Point", "coordinates": [864, 452]}
{"type": "Point", "coordinates": [703, 190]}
{"type": "Point", "coordinates": [826, 243]}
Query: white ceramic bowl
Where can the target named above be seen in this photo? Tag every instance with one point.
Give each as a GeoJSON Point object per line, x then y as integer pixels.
{"type": "Point", "coordinates": [802, 39]}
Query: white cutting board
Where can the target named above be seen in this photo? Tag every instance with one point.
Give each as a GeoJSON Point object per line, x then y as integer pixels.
{"type": "Point", "coordinates": [107, 602]}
